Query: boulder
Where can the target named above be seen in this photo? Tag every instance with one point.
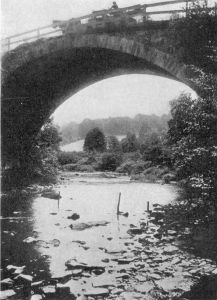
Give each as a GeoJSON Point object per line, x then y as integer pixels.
{"type": "Point", "coordinates": [7, 294]}
{"type": "Point", "coordinates": [49, 290]}
{"type": "Point", "coordinates": [171, 249]}
{"type": "Point", "coordinates": [145, 287]}
{"type": "Point", "coordinates": [30, 240]}
{"type": "Point", "coordinates": [36, 297]}
{"type": "Point", "coordinates": [73, 217]}
{"type": "Point", "coordinates": [83, 226]}
{"type": "Point", "coordinates": [72, 264]}
{"type": "Point", "coordinates": [135, 231]}
{"type": "Point", "coordinates": [7, 282]}
{"type": "Point", "coordinates": [104, 280]}
{"type": "Point", "coordinates": [96, 292]}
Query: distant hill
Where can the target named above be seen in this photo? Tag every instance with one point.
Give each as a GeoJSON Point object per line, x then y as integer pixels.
{"type": "Point", "coordinates": [113, 126]}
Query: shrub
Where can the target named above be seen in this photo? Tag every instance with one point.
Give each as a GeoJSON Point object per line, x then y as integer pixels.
{"type": "Point", "coordinates": [110, 161]}
{"type": "Point", "coordinates": [135, 156]}
{"type": "Point", "coordinates": [140, 166]}
{"type": "Point", "coordinates": [70, 167]}
{"type": "Point", "coordinates": [126, 167]}
{"type": "Point", "coordinates": [85, 168]}
{"type": "Point", "coordinates": [68, 157]}
{"type": "Point", "coordinates": [167, 178]}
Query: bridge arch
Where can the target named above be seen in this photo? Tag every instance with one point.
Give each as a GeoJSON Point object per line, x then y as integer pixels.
{"type": "Point", "coordinates": [39, 76]}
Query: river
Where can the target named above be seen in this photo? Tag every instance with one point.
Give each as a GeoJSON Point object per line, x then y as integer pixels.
{"type": "Point", "coordinates": [41, 235]}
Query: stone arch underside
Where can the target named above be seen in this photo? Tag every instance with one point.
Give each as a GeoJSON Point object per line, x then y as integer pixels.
{"type": "Point", "coordinates": [40, 76]}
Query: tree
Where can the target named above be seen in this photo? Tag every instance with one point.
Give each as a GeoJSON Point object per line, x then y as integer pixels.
{"type": "Point", "coordinates": [39, 162]}
{"type": "Point", "coordinates": [49, 136]}
{"type": "Point", "coordinates": [195, 37]}
{"type": "Point", "coordinates": [152, 148]}
{"type": "Point", "coordinates": [130, 143]}
{"type": "Point", "coordinates": [113, 145]}
{"type": "Point", "coordinates": [144, 131]}
{"type": "Point", "coordinates": [95, 140]}
{"type": "Point", "coordinates": [193, 136]}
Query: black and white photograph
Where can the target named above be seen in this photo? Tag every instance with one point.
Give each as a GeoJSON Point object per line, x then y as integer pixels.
{"type": "Point", "coordinates": [108, 150]}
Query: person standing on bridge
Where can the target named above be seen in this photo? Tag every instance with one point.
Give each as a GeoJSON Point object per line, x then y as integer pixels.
{"type": "Point", "coordinates": [114, 5]}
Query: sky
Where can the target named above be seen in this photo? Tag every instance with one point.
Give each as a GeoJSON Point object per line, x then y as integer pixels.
{"type": "Point", "coordinates": [22, 15]}
{"type": "Point", "coordinates": [118, 96]}
{"type": "Point", "coordinates": [125, 95]}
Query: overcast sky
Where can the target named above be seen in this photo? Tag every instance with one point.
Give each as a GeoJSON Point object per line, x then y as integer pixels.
{"type": "Point", "coordinates": [21, 15]}
{"type": "Point", "coordinates": [125, 95]}
{"type": "Point", "coordinates": [118, 96]}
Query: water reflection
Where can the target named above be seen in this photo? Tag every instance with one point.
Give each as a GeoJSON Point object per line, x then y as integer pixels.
{"type": "Point", "coordinates": [93, 199]}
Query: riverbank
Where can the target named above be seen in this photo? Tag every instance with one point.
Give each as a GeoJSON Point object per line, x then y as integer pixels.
{"type": "Point", "coordinates": [131, 164]}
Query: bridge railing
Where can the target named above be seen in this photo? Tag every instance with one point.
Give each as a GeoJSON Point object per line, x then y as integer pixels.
{"type": "Point", "coordinates": [48, 31]}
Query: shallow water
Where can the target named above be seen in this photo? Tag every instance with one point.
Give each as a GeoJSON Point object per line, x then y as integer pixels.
{"type": "Point", "coordinates": [94, 199]}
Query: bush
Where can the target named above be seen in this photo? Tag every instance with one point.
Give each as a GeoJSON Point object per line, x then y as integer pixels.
{"type": "Point", "coordinates": [110, 161]}
{"type": "Point", "coordinates": [126, 167]}
{"type": "Point", "coordinates": [85, 168]}
{"type": "Point", "coordinates": [69, 157]}
{"type": "Point", "coordinates": [70, 167]}
{"type": "Point", "coordinates": [157, 171]}
{"type": "Point", "coordinates": [167, 178]}
{"type": "Point", "coordinates": [135, 156]}
{"type": "Point", "coordinates": [140, 166]}
{"type": "Point", "coordinates": [153, 174]}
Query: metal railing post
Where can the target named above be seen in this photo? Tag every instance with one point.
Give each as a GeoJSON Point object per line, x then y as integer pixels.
{"type": "Point", "coordinates": [38, 33]}
{"type": "Point", "coordinates": [145, 14]}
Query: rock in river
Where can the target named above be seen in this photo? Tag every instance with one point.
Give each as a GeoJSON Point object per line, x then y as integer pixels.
{"type": "Point", "coordinates": [7, 294]}
{"type": "Point", "coordinates": [175, 283]}
{"type": "Point", "coordinates": [36, 297]}
{"type": "Point", "coordinates": [49, 290]}
{"type": "Point", "coordinates": [134, 231]}
{"type": "Point", "coordinates": [83, 226]}
{"type": "Point", "coordinates": [96, 292]}
{"type": "Point", "coordinates": [72, 264]}
{"type": "Point", "coordinates": [171, 249]}
{"type": "Point", "coordinates": [144, 287]}
{"type": "Point", "coordinates": [74, 217]}
{"type": "Point", "coordinates": [104, 280]}
{"type": "Point", "coordinates": [7, 282]}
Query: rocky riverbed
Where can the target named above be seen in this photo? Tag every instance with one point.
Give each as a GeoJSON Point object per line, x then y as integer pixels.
{"type": "Point", "coordinates": [147, 261]}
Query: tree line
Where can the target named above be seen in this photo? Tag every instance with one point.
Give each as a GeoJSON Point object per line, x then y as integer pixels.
{"type": "Point", "coordinates": [112, 126]}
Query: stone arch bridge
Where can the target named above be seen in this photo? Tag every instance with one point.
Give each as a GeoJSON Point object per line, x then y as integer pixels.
{"type": "Point", "coordinates": [37, 77]}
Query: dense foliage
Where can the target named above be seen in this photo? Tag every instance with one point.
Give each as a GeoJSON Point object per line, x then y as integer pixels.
{"type": "Point", "coordinates": [113, 145]}
{"type": "Point", "coordinates": [110, 161]}
{"type": "Point", "coordinates": [193, 136]}
{"type": "Point", "coordinates": [130, 143]}
{"type": "Point", "coordinates": [39, 163]}
{"type": "Point", "coordinates": [195, 37]}
{"type": "Point", "coordinates": [95, 140]}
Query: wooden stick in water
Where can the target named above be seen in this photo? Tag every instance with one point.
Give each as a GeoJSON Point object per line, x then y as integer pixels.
{"type": "Point", "coordinates": [118, 207]}
{"type": "Point", "coordinates": [147, 206]}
